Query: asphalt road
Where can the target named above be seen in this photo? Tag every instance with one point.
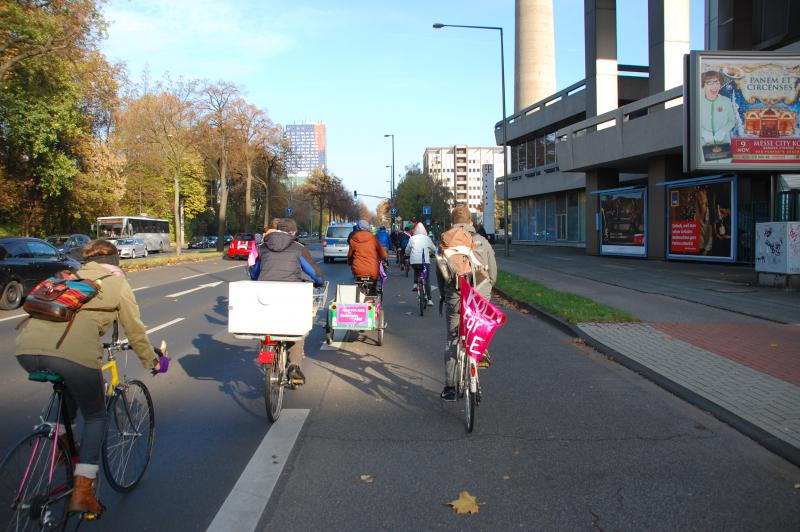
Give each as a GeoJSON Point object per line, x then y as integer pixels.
{"type": "Point", "coordinates": [564, 439]}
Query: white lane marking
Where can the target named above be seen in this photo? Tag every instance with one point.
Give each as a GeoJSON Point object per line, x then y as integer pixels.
{"type": "Point", "coordinates": [335, 346]}
{"type": "Point", "coordinates": [193, 276]}
{"type": "Point", "coordinates": [14, 317]}
{"type": "Point", "coordinates": [140, 288]}
{"type": "Point", "coordinates": [195, 289]}
{"type": "Point", "coordinates": [244, 505]}
{"type": "Point", "coordinates": [159, 327]}
{"type": "Point", "coordinates": [232, 267]}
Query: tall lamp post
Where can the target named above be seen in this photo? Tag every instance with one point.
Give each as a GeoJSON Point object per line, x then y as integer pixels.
{"type": "Point", "coordinates": [438, 26]}
{"type": "Point", "coordinates": [391, 196]}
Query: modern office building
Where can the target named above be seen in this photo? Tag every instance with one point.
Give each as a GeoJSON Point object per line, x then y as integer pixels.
{"type": "Point", "coordinates": [641, 161]}
{"type": "Point", "coordinates": [462, 169]}
{"type": "Point", "coordinates": [308, 145]}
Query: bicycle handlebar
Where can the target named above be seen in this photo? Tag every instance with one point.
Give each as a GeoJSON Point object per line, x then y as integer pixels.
{"type": "Point", "coordinates": [117, 346]}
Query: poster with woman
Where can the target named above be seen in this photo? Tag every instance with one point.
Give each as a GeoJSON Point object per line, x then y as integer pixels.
{"type": "Point", "coordinates": [623, 221]}
{"type": "Point", "coordinates": [701, 219]}
{"type": "Point", "coordinates": [744, 111]}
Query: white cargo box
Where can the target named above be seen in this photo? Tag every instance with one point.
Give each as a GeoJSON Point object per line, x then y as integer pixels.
{"type": "Point", "coordinates": [266, 307]}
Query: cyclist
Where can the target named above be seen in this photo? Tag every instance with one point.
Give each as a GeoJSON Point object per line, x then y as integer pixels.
{"type": "Point", "coordinates": [420, 248]}
{"type": "Point", "coordinates": [384, 238]}
{"type": "Point", "coordinates": [395, 236]}
{"type": "Point", "coordinates": [461, 217]}
{"type": "Point", "coordinates": [405, 236]}
{"type": "Point", "coordinates": [284, 259]}
{"type": "Point", "coordinates": [365, 253]}
{"type": "Point", "coordinates": [77, 360]}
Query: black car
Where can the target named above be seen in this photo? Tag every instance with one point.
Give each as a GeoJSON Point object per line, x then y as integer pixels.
{"type": "Point", "coordinates": [212, 241]}
{"type": "Point", "coordinates": [24, 263]}
{"type": "Point", "coordinates": [198, 242]}
{"type": "Point", "coordinates": [69, 244]}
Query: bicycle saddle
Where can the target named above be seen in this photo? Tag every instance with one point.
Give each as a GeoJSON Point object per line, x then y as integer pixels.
{"type": "Point", "coordinates": [44, 376]}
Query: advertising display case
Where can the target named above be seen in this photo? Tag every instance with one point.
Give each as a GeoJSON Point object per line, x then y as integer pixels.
{"type": "Point", "coordinates": [742, 111]}
{"type": "Point", "coordinates": [701, 218]}
{"type": "Point", "coordinates": [778, 247]}
{"type": "Point", "coordinates": [623, 221]}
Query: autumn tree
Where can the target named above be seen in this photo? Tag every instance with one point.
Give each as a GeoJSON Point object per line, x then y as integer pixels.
{"type": "Point", "coordinates": [253, 132]}
{"type": "Point", "coordinates": [417, 189]}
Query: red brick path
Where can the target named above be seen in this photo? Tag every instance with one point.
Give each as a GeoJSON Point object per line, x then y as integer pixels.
{"type": "Point", "coordinates": [772, 349]}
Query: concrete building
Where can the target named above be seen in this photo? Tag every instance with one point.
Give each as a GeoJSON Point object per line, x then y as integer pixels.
{"type": "Point", "coordinates": [461, 168]}
{"type": "Point", "coordinates": [600, 163]}
{"type": "Point", "coordinates": [308, 144]}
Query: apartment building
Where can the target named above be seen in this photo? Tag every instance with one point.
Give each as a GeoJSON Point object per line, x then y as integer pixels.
{"type": "Point", "coordinates": [462, 168]}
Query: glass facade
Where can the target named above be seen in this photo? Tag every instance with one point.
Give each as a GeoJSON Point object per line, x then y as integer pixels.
{"type": "Point", "coordinates": [540, 151]}
{"type": "Point", "coordinates": [553, 217]}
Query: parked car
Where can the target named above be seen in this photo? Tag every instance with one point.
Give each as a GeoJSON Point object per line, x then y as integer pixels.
{"type": "Point", "coordinates": [24, 263]}
{"type": "Point", "coordinates": [212, 241]}
{"type": "Point", "coordinates": [198, 242]}
{"type": "Point", "coordinates": [131, 248]}
{"type": "Point", "coordinates": [69, 244]}
{"type": "Point", "coordinates": [335, 244]}
{"type": "Point", "coordinates": [240, 245]}
{"type": "Point", "coordinates": [228, 239]}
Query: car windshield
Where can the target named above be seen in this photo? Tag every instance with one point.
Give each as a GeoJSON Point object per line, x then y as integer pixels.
{"type": "Point", "coordinates": [338, 232]}
{"type": "Point", "coordinates": [245, 237]}
{"type": "Point", "coordinates": [127, 242]}
{"type": "Point", "coordinates": [57, 241]}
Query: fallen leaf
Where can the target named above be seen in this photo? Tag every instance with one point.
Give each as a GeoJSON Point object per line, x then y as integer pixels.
{"type": "Point", "coordinates": [579, 341]}
{"type": "Point", "coordinates": [465, 504]}
{"type": "Point", "coordinates": [369, 479]}
{"type": "Point", "coordinates": [506, 477]}
{"type": "Point", "coordinates": [773, 345]}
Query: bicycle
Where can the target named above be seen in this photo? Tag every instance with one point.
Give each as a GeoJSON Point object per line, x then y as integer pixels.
{"type": "Point", "coordinates": [272, 358]}
{"type": "Point", "coordinates": [421, 283]}
{"type": "Point", "coordinates": [36, 475]}
{"type": "Point", "coordinates": [467, 383]}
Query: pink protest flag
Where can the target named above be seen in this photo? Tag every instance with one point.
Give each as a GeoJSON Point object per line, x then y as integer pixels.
{"type": "Point", "coordinates": [479, 320]}
{"type": "Point", "coordinates": [252, 254]}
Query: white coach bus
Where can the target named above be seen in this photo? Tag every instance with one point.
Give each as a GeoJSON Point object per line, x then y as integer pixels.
{"type": "Point", "coordinates": [154, 231]}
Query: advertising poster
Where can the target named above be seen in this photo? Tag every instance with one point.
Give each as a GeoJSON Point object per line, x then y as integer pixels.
{"type": "Point", "coordinates": [701, 220]}
{"type": "Point", "coordinates": [623, 222]}
{"type": "Point", "coordinates": [744, 111]}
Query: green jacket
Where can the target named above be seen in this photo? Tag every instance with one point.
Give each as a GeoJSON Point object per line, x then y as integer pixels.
{"type": "Point", "coordinates": [82, 343]}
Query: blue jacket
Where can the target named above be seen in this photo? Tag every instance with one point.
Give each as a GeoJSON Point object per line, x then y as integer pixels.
{"type": "Point", "coordinates": [384, 238]}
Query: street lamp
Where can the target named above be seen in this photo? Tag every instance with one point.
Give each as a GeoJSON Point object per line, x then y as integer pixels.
{"type": "Point", "coordinates": [438, 26]}
{"type": "Point", "coordinates": [391, 191]}
{"type": "Point", "coordinates": [392, 194]}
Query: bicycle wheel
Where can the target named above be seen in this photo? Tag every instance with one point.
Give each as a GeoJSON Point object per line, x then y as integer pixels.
{"type": "Point", "coordinates": [459, 371]}
{"type": "Point", "coordinates": [380, 327]}
{"type": "Point", "coordinates": [130, 430]}
{"type": "Point", "coordinates": [274, 379]}
{"type": "Point", "coordinates": [469, 398]}
{"type": "Point", "coordinates": [29, 500]}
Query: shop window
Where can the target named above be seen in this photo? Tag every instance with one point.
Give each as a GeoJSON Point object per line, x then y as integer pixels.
{"type": "Point", "coordinates": [573, 216]}
{"type": "Point", "coordinates": [531, 151]}
{"type": "Point", "coordinates": [550, 218]}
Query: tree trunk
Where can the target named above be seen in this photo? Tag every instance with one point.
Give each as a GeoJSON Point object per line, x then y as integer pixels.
{"type": "Point", "coordinates": [248, 216]}
{"type": "Point", "coordinates": [321, 207]}
{"type": "Point", "coordinates": [177, 212]}
{"type": "Point", "coordinates": [223, 203]}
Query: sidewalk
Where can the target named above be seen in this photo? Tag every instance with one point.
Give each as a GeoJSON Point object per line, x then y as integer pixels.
{"type": "Point", "coordinates": [707, 333]}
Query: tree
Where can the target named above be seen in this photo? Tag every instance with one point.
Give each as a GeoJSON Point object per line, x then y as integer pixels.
{"type": "Point", "coordinates": [252, 130]}
{"type": "Point", "coordinates": [318, 189]}
{"type": "Point", "coordinates": [416, 190]}
{"type": "Point", "coordinates": [384, 211]}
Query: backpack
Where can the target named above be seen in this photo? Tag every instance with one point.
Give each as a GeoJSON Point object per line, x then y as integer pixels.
{"type": "Point", "coordinates": [460, 256]}
{"type": "Point", "coordinates": [59, 298]}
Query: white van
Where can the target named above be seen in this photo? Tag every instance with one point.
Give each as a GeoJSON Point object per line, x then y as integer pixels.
{"type": "Point", "coordinates": [334, 243]}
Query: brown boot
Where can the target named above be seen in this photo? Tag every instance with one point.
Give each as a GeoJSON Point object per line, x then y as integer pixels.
{"type": "Point", "coordinates": [83, 499]}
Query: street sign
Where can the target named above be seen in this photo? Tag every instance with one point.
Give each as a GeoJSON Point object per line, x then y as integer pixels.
{"type": "Point", "coordinates": [289, 211]}
{"type": "Point", "coordinates": [394, 211]}
{"type": "Point", "coordinates": [427, 221]}
{"type": "Point", "coordinates": [426, 210]}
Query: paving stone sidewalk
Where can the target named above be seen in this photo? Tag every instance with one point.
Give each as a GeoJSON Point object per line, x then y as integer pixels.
{"type": "Point", "coordinates": [743, 368]}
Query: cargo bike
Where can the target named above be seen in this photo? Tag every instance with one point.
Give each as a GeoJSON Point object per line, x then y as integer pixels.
{"type": "Point", "coordinates": [278, 314]}
{"type": "Point", "coordinates": [357, 307]}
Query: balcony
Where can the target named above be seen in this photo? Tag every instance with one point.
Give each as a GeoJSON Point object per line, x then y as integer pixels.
{"type": "Point", "coordinates": [625, 137]}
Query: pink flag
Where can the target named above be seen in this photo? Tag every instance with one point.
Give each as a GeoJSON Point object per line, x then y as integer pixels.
{"type": "Point", "coordinates": [252, 254]}
{"type": "Point", "coordinates": [479, 320]}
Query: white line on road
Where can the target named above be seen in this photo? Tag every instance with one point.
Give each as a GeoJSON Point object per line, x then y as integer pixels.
{"type": "Point", "coordinates": [193, 276]}
{"type": "Point", "coordinates": [159, 327]}
{"type": "Point", "coordinates": [195, 289]}
{"type": "Point", "coordinates": [232, 267]}
{"type": "Point", "coordinates": [14, 317]}
{"type": "Point", "coordinates": [242, 510]}
{"type": "Point", "coordinates": [140, 288]}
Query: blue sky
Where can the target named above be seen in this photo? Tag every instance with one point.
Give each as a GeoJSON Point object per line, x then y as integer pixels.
{"type": "Point", "coordinates": [363, 67]}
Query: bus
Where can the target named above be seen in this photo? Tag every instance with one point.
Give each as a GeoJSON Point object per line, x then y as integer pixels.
{"type": "Point", "coordinates": [154, 231]}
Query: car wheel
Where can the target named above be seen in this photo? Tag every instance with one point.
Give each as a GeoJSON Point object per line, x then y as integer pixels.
{"type": "Point", "coordinates": [145, 252]}
{"type": "Point", "coordinates": [133, 254]}
{"type": "Point", "coordinates": [12, 296]}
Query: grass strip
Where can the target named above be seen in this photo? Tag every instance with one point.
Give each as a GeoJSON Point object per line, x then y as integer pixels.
{"type": "Point", "coordinates": [156, 262]}
{"type": "Point", "coordinates": [567, 306]}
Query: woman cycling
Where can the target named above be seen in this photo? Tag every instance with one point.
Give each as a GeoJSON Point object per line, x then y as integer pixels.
{"type": "Point", "coordinates": [77, 360]}
{"type": "Point", "coordinates": [420, 248]}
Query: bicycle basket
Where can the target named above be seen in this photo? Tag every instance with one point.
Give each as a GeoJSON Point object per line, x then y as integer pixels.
{"type": "Point", "coordinates": [320, 298]}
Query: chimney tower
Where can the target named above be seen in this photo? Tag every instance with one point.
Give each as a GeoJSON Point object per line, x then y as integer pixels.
{"type": "Point", "coordinates": [534, 52]}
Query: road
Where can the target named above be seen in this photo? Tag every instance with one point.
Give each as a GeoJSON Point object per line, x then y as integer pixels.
{"type": "Point", "coordinates": [564, 439]}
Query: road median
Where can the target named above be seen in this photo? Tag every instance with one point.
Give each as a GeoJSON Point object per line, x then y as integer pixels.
{"type": "Point", "coordinates": [157, 262]}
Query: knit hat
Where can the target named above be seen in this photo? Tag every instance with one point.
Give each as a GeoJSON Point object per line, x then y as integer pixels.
{"type": "Point", "coordinates": [363, 225]}
{"type": "Point", "coordinates": [461, 215]}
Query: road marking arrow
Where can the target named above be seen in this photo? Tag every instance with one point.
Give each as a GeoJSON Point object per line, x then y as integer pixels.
{"type": "Point", "coordinates": [208, 285]}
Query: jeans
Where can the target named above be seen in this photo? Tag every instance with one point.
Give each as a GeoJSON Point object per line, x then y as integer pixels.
{"type": "Point", "coordinates": [296, 349]}
{"type": "Point", "coordinates": [84, 391]}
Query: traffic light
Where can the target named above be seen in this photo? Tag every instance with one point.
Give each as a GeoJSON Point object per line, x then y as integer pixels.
{"type": "Point", "coordinates": [355, 194]}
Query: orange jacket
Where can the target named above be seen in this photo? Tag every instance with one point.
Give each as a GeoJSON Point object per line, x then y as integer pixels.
{"type": "Point", "coordinates": [364, 255]}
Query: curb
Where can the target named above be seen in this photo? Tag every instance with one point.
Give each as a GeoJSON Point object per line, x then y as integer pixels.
{"type": "Point", "coordinates": [769, 441]}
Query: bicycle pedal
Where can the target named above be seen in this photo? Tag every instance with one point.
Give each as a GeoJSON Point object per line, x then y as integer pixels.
{"type": "Point", "coordinates": [297, 382]}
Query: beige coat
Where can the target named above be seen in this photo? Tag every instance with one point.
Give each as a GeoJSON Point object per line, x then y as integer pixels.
{"type": "Point", "coordinates": [82, 343]}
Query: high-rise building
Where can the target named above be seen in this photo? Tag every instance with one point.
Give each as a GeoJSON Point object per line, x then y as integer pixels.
{"type": "Point", "coordinates": [308, 150]}
{"type": "Point", "coordinates": [461, 168]}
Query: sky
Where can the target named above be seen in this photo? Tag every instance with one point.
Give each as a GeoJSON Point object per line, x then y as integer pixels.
{"type": "Point", "coordinates": [365, 68]}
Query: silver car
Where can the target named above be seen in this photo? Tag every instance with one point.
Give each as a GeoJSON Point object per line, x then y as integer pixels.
{"type": "Point", "coordinates": [130, 248]}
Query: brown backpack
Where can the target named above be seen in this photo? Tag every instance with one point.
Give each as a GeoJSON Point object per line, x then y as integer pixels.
{"type": "Point", "coordinates": [460, 256]}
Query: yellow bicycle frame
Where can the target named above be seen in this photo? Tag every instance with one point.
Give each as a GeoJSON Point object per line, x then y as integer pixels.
{"type": "Point", "coordinates": [111, 366]}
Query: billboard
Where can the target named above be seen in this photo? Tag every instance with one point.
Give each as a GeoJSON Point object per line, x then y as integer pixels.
{"type": "Point", "coordinates": [701, 219]}
{"type": "Point", "coordinates": [743, 111]}
{"type": "Point", "coordinates": [488, 199]}
{"type": "Point", "coordinates": [623, 221]}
